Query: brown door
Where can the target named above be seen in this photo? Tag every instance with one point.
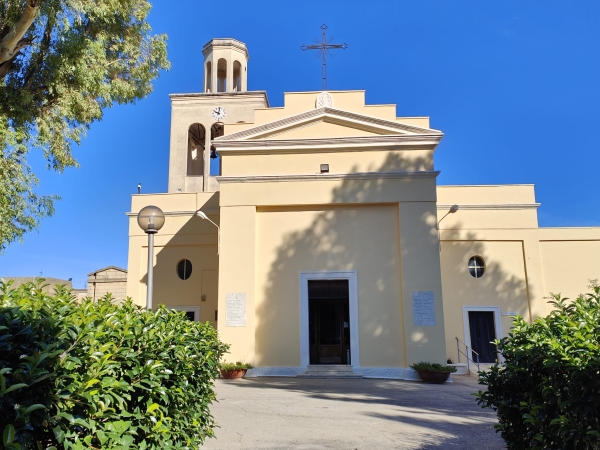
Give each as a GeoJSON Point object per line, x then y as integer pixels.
{"type": "Point", "coordinates": [329, 322]}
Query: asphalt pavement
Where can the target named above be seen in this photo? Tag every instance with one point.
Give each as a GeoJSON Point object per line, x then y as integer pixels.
{"type": "Point", "coordinates": [315, 414]}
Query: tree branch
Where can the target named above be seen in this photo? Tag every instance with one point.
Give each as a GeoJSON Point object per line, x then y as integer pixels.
{"type": "Point", "coordinates": [10, 42]}
{"type": "Point", "coordinates": [8, 66]}
{"type": "Point", "coordinates": [44, 46]}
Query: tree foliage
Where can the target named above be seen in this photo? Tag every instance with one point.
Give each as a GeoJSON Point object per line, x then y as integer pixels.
{"type": "Point", "coordinates": [93, 374]}
{"type": "Point", "coordinates": [62, 62]}
{"type": "Point", "coordinates": [547, 393]}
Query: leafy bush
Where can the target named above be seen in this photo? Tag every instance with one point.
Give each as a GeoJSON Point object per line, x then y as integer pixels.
{"type": "Point", "coordinates": [29, 350]}
{"type": "Point", "coordinates": [425, 366]}
{"type": "Point", "coordinates": [239, 365]}
{"type": "Point", "coordinates": [116, 375]}
{"type": "Point", "coordinates": [547, 393]}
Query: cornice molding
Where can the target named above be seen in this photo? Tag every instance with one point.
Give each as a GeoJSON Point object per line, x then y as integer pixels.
{"type": "Point", "coordinates": [219, 96]}
{"type": "Point", "coordinates": [107, 280]}
{"type": "Point", "coordinates": [325, 145]}
{"type": "Point", "coordinates": [492, 206]}
{"type": "Point", "coordinates": [332, 114]}
{"type": "Point", "coordinates": [327, 177]}
{"type": "Point", "coordinates": [224, 43]}
{"type": "Point", "coordinates": [181, 213]}
{"type": "Point", "coordinates": [120, 269]}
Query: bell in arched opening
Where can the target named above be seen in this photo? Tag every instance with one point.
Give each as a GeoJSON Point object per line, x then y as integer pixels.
{"type": "Point", "coordinates": [195, 153]}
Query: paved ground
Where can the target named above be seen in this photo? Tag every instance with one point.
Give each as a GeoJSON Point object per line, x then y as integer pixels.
{"type": "Point", "coordinates": [308, 414]}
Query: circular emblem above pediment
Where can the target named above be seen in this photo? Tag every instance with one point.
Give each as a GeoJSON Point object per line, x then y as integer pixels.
{"type": "Point", "coordinates": [324, 100]}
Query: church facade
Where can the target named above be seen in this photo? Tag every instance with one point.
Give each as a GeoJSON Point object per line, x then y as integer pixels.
{"type": "Point", "coordinates": [329, 241]}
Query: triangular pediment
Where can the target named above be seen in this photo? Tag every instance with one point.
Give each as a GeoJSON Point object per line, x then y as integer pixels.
{"type": "Point", "coordinates": [326, 123]}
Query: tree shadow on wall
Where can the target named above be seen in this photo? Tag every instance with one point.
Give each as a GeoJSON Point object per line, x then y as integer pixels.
{"type": "Point", "coordinates": [195, 241]}
{"type": "Point", "coordinates": [345, 233]}
{"type": "Point", "coordinates": [502, 285]}
{"type": "Point", "coordinates": [354, 232]}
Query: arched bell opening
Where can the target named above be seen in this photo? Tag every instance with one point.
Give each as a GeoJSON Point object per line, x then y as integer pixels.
{"type": "Point", "coordinates": [237, 76]}
{"type": "Point", "coordinates": [195, 153]}
{"type": "Point", "coordinates": [208, 77]}
{"type": "Point", "coordinates": [216, 130]}
{"type": "Point", "coordinates": [222, 75]}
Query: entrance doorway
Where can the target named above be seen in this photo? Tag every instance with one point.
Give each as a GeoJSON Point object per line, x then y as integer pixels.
{"type": "Point", "coordinates": [329, 321]}
{"type": "Point", "coordinates": [483, 332]}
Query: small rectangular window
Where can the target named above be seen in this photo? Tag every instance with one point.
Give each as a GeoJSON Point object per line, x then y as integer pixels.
{"type": "Point", "coordinates": [191, 312]}
{"type": "Point", "coordinates": [324, 168]}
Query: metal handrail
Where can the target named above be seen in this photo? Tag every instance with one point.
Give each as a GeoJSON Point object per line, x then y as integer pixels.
{"type": "Point", "coordinates": [458, 342]}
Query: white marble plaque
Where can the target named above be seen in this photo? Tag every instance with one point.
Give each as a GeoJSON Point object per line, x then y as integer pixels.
{"type": "Point", "coordinates": [423, 308]}
{"type": "Point", "coordinates": [235, 309]}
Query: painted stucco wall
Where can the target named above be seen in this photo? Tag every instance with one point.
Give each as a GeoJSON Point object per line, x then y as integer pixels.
{"type": "Point", "coordinates": [570, 259]}
{"type": "Point", "coordinates": [524, 263]}
{"type": "Point", "coordinates": [365, 161]}
{"type": "Point", "coordinates": [290, 241]}
{"type": "Point", "coordinates": [184, 236]}
{"type": "Point", "coordinates": [299, 102]}
{"type": "Point", "coordinates": [503, 285]}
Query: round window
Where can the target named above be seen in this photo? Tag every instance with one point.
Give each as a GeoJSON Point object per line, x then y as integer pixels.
{"type": "Point", "coordinates": [184, 269]}
{"type": "Point", "coordinates": [476, 266]}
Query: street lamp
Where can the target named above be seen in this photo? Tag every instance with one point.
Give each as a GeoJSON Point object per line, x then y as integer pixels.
{"type": "Point", "coordinates": [452, 210]}
{"type": "Point", "coordinates": [150, 219]}
{"type": "Point", "coordinates": [205, 217]}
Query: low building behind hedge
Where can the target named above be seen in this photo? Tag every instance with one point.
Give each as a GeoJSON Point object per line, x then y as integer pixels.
{"type": "Point", "coordinates": [96, 374]}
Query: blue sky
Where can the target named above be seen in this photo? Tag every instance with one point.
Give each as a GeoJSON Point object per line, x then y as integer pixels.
{"type": "Point", "coordinates": [514, 86]}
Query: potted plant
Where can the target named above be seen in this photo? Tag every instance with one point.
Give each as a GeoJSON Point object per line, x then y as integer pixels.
{"type": "Point", "coordinates": [231, 371]}
{"type": "Point", "coordinates": [433, 372]}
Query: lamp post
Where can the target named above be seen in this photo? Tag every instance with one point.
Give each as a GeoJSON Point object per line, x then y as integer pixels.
{"type": "Point", "coordinates": [452, 210]}
{"type": "Point", "coordinates": [205, 217]}
{"type": "Point", "coordinates": [150, 219]}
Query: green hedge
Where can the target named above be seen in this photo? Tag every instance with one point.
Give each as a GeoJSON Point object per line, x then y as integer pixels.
{"type": "Point", "coordinates": [547, 394]}
{"type": "Point", "coordinates": [100, 375]}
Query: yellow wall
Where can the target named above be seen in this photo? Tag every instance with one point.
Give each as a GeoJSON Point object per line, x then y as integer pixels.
{"type": "Point", "coordinates": [524, 263]}
{"type": "Point", "coordinates": [184, 236]}
{"type": "Point", "coordinates": [237, 275]}
{"type": "Point", "coordinates": [299, 102]}
{"type": "Point", "coordinates": [504, 284]}
{"type": "Point", "coordinates": [290, 241]}
{"type": "Point", "coordinates": [365, 161]}
{"type": "Point", "coordinates": [569, 265]}
{"type": "Point", "coordinates": [421, 272]}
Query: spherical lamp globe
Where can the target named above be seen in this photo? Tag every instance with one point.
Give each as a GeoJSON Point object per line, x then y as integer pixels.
{"type": "Point", "coordinates": [151, 219]}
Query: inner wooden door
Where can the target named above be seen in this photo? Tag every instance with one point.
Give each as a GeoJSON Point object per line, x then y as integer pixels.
{"type": "Point", "coordinates": [329, 322]}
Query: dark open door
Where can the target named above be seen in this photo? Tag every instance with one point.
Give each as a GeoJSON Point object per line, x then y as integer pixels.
{"type": "Point", "coordinates": [483, 332]}
{"type": "Point", "coordinates": [329, 321]}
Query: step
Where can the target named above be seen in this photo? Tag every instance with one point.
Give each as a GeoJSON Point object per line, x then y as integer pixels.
{"type": "Point", "coordinates": [330, 371]}
{"type": "Point", "coordinates": [461, 369]}
{"type": "Point", "coordinates": [329, 368]}
{"type": "Point", "coordinates": [349, 376]}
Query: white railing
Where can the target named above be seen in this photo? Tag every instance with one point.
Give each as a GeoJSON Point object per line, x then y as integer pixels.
{"type": "Point", "coordinates": [466, 354]}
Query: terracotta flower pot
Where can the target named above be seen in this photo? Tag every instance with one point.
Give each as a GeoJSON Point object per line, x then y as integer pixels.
{"type": "Point", "coordinates": [434, 377]}
{"type": "Point", "coordinates": [233, 374]}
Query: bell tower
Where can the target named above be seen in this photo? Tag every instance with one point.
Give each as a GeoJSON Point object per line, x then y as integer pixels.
{"type": "Point", "coordinates": [225, 66]}
{"type": "Point", "coordinates": [197, 118]}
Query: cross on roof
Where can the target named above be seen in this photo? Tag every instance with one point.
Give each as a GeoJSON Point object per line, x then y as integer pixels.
{"type": "Point", "coordinates": [324, 46]}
